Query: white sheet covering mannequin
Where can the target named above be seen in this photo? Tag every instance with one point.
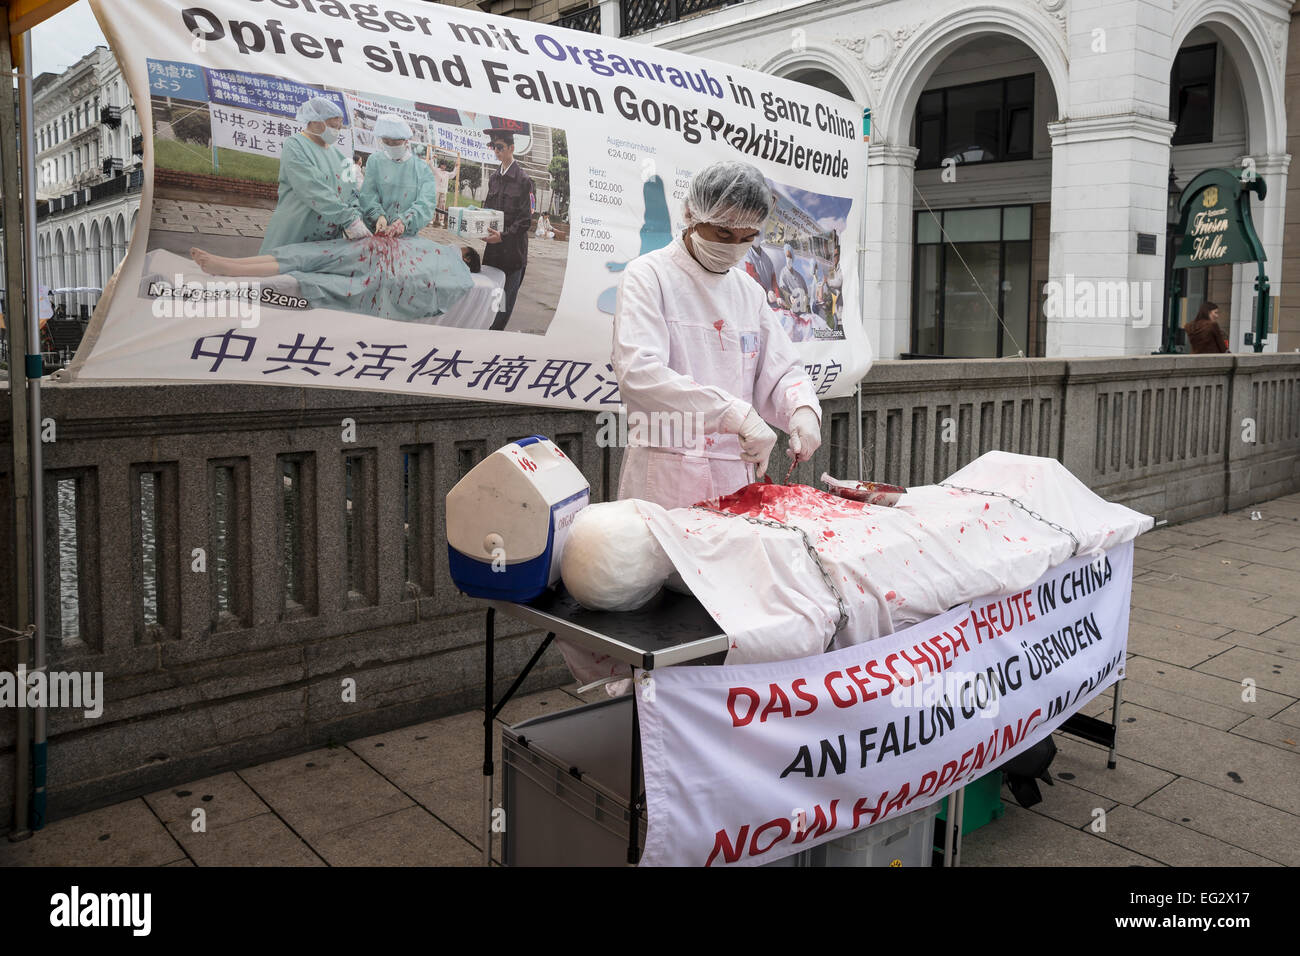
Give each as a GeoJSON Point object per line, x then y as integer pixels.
{"type": "Point", "coordinates": [936, 548]}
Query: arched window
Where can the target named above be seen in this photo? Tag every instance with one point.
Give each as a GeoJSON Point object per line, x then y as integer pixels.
{"type": "Point", "coordinates": [83, 264]}
{"type": "Point", "coordinates": [59, 264]}
{"type": "Point", "coordinates": [119, 241]}
{"type": "Point", "coordinates": [106, 247]}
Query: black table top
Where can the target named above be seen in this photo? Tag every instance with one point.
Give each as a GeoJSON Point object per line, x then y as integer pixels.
{"type": "Point", "coordinates": [672, 628]}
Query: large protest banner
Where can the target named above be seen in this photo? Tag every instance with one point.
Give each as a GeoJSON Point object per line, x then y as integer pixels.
{"type": "Point", "coordinates": [608, 132]}
{"type": "Point", "coordinates": [751, 763]}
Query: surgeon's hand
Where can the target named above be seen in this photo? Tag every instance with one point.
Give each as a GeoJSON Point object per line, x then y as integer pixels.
{"type": "Point", "coordinates": [358, 230]}
{"type": "Point", "coordinates": [397, 227]}
{"type": "Point", "coordinates": [756, 442]}
{"type": "Point", "coordinates": [381, 225]}
{"type": "Point", "coordinates": [805, 434]}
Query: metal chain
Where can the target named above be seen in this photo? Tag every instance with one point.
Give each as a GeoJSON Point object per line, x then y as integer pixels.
{"type": "Point", "coordinates": [808, 546]}
{"type": "Point", "coordinates": [1019, 504]}
{"type": "Point", "coordinates": [26, 633]}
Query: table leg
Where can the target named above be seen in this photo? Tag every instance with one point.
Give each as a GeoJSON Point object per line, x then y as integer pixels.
{"type": "Point", "coordinates": [959, 820]}
{"type": "Point", "coordinates": [949, 817]}
{"type": "Point", "coordinates": [523, 674]}
{"type": "Point", "coordinates": [488, 645]}
{"type": "Point", "coordinates": [634, 787]}
{"type": "Point", "coordinates": [1114, 720]}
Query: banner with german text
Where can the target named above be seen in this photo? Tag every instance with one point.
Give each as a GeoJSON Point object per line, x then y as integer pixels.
{"type": "Point", "coordinates": [748, 764]}
{"type": "Point", "coordinates": [248, 264]}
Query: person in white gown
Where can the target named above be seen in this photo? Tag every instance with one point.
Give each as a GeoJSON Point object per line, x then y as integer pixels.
{"type": "Point", "coordinates": [701, 358]}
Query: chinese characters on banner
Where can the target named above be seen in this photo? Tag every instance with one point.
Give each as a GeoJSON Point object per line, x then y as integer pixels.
{"type": "Point", "coordinates": [609, 133]}
{"type": "Point", "coordinates": [311, 359]}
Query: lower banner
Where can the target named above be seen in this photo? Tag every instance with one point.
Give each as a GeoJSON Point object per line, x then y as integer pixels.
{"type": "Point", "coordinates": [746, 765]}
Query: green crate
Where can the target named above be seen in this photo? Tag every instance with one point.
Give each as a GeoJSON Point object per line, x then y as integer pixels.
{"type": "Point", "coordinates": [983, 803]}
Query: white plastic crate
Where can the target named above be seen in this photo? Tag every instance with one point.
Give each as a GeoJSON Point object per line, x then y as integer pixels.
{"type": "Point", "coordinates": [565, 789]}
{"type": "Point", "coordinates": [907, 840]}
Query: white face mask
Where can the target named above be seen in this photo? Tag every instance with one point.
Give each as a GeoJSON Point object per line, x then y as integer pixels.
{"type": "Point", "coordinates": [719, 256]}
{"type": "Point", "coordinates": [397, 153]}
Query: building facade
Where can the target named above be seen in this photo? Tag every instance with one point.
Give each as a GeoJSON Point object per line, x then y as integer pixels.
{"type": "Point", "coordinates": [1023, 153]}
{"type": "Point", "coordinates": [88, 176]}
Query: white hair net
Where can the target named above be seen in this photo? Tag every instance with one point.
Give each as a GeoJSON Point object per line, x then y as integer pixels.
{"type": "Point", "coordinates": [730, 194]}
{"type": "Point", "coordinates": [318, 110]}
{"type": "Point", "coordinates": [392, 126]}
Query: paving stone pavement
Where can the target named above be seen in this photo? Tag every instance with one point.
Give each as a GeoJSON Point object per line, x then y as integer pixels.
{"type": "Point", "coordinates": [1206, 775]}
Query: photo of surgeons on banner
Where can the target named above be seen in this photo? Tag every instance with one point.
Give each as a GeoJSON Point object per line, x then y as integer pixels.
{"type": "Point", "coordinates": [797, 262]}
{"type": "Point", "coordinates": [336, 199]}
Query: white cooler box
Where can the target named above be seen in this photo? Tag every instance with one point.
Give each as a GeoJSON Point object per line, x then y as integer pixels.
{"type": "Point", "coordinates": [474, 223]}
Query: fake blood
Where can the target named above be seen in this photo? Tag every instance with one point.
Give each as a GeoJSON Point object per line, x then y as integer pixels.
{"type": "Point", "coordinates": [780, 502]}
{"type": "Point", "coordinates": [718, 325]}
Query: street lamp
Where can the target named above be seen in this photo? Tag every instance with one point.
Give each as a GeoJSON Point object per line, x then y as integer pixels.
{"type": "Point", "coordinates": [1173, 217]}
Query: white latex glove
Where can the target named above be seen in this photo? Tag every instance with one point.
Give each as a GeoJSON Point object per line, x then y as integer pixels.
{"type": "Point", "coordinates": [756, 441]}
{"type": "Point", "coordinates": [381, 225]}
{"type": "Point", "coordinates": [805, 434]}
{"type": "Point", "coordinates": [358, 230]}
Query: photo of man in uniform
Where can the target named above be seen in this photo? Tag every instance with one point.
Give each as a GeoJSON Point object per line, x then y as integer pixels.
{"type": "Point", "coordinates": [509, 189]}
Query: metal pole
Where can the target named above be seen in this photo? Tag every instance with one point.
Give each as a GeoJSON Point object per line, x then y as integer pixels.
{"type": "Point", "coordinates": [490, 637]}
{"type": "Point", "coordinates": [960, 825]}
{"type": "Point", "coordinates": [862, 454]}
{"type": "Point", "coordinates": [1171, 327]}
{"type": "Point", "coordinates": [1114, 732]}
{"type": "Point", "coordinates": [1261, 308]}
{"type": "Point", "coordinates": [28, 158]}
{"type": "Point", "coordinates": [634, 789]}
{"type": "Point", "coordinates": [21, 364]}
{"type": "Point", "coordinates": [949, 821]}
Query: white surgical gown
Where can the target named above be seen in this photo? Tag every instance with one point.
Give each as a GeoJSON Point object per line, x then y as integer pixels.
{"type": "Point", "coordinates": [693, 352]}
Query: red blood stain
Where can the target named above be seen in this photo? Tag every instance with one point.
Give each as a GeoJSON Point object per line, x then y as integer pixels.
{"type": "Point", "coordinates": [718, 325]}
{"type": "Point", "coordinates": [781, 502]}
{"type": "Point", "coordinates": [828, 534]}
{"type": "Point", "coordinates": [891, 595]}
{"type": "Point", "coordinates": [986, 506]}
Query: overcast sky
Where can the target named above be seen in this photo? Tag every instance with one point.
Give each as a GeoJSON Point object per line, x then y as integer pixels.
{"type": "Point", "coordinates": [65, 38]}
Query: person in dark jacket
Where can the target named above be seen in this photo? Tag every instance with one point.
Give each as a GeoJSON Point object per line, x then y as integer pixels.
{"type": "Point", "coordinates": [509, 189]}
{"type": "Point", "coordinates": [1203, 332]}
